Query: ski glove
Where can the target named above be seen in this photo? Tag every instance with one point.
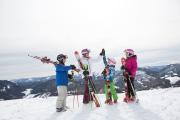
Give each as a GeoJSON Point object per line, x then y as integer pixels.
{"type": "Point", "coordinates": [102, 52]}
{"type": "Point", "coordinates": [73, 67]}
{"type": "Point", "coordinates": [127, 73]}
{"type": "Point", "coordinates": [122, 67]}
{"type": "Point", "coordinates": [104, 72]}
{"type": "Point", "coordinates": [70, 76]}
{"type": "Point", "coordinates": [85, 73]}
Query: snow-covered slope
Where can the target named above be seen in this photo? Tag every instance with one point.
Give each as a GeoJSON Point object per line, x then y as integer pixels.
{"type": "Point", "coordinates": [161, 104]}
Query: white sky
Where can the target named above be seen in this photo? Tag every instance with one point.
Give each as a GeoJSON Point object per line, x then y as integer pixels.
{"type": "Point", "coordinates": [68, 25]}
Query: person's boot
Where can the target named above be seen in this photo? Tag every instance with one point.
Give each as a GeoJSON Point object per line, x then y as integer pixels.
{"type": "Point", "coordinates": [60, 109]}
{"type": "Point", "coordinates": [110, 102]}
{"type": "Point", "coordinates": [126, 99]}
{"type": "Point", "coordinates": [115, 101]}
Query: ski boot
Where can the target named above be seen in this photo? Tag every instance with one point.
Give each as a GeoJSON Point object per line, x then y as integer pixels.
{"type": "Point", "coordinates": [109, 102]}
{"type": "Point", "coordinates": [126, 99]}
{"type": "Point", "coordinates": [115, 101]}
{"type": "Point", "coordinates": [132, 99]}
{"type": "Point", "coordinates": [60, 110]}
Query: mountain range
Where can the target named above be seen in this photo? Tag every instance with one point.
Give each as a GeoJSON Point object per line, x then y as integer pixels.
{"type": "Point", "coordinates": [147, 78]}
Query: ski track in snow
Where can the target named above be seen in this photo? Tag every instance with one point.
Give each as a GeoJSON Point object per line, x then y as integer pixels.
{"type": "Point", "coordinates": [160, 104]}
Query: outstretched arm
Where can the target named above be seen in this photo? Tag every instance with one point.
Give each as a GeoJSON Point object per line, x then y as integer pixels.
{"type": "Point", "coordinates": [67, 68]}
{"type": "Point", "coordinates": [63, 68]}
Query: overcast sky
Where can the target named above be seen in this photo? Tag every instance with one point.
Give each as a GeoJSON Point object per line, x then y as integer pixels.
{"type": "Point", "coordinates": [68, 25]}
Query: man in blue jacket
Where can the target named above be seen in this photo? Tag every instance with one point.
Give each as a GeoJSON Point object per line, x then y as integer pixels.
{"type": "Point", "coordinates": [61, 80]}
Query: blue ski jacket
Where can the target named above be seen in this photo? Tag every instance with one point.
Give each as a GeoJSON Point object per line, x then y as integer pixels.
{"type": "Point", "coordinates": [111, 70]}
{"type": "Point", "coordinates": [62, 75]}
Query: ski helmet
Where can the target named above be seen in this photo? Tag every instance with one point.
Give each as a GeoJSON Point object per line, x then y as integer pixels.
{"type": "Point", "coordinates": [85, 51]}
{"type": "Point", "coordinates": [129, 52]}
{"type": "Point", "coordinates": [61, 57]}
{"type": "Point", "coordinates": [111, 61]}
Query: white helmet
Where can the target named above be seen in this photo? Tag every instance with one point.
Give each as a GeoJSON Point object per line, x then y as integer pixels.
{"type": "Point", "coordinates": [85, 51]}
{"type": "Point", "coordinates": [129, 52]}
{"type": "Point", "coordinates": [111, 61]}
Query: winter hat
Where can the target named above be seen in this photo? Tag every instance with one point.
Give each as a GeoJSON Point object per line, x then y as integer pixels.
{"type": "Point", "coordinates": [85, 51]}
{"type": "Point", "coordinates": [111, 61]}
{"type": "Point", "coordinates": [61, 57]}
{"type": "Point", "coordinates": [129, 52]}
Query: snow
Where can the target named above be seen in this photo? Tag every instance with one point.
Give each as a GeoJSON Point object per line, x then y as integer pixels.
{"type": "Point", "coordinates": [3, 90]}
{"type": "Point", "coordinates": [27, 91]}
{"type": "Point", "coordinates": [28, 94]}
{"type": "Point", "coordinates": [175, 74]}
{"type": "Point", "coordinates": [161, 104]}
{"type": "Point", "coordinates": [141, 72]}
{"type": "Point", "coordinates": [8, 86]}
{"type": "Point", "coordinates": [174, 79]}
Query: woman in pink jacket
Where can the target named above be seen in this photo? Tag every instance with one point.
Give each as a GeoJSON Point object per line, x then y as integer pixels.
{"type": "Point", "coordinates": [130, 68]}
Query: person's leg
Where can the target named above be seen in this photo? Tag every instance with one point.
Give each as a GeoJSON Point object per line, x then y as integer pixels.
{"type": "Point", "coordinates": [128, 88]}
{"type": "Point", "coordinates": [132, 88]}
{"type": "Point", "coordinates": [86, 92]}
{"type": "Point", "coordinates": [113, 91]}
{"type": "Point", "coordinates": [125, 90]}
{"type": "Point", "coordinates": [65, 96]}
{"type": "Point", "coordinates": [106, 92]}
{"type": "Point", "coordinates": [60, 98]}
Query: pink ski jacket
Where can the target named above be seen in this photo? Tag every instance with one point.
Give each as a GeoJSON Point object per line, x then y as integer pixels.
{"type": "Point", "coordinates": [131, 65]}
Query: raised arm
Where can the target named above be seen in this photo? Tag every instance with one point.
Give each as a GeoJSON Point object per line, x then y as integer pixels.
{"type": "Point", "coordinates": [104, 57]}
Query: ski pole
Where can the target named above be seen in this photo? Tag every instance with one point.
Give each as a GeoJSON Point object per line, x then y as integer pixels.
{"type": "Point", "coordinates": [76, 91]}
{"type": "Point", "coordinates": [73, 99]}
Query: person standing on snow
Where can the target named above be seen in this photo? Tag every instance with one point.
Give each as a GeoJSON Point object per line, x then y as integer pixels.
{"type": "Point", "coordinates": [61, 80]}
{"type": "Point", "coordinates": [87, 61]}
{"type": "Point", "coordinates": [109, 75]}
{"type": "Point", "coordinates": [130, 68]}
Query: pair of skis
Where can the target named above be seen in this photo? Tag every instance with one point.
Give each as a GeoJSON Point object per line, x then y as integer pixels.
{"type": "Point", "coordinates": [126, 80]}
{"type": "Point", "coordinates": [43, 59]}
{"type": "Point", "coordinates": [91, 86]}
{"type": "Point", "coordinates": [108, 84]}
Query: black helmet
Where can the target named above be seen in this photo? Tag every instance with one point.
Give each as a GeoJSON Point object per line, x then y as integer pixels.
{"type": "Point", "coordinates": [61, 57]}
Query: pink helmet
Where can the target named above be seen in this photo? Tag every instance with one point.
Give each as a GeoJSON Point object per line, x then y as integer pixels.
{"type": "Point", "coordinates": [111, 61]}
{"type": "Point", "coordinates": [129, 52]}
{"type": "Point", "coordinates": [85, 51]}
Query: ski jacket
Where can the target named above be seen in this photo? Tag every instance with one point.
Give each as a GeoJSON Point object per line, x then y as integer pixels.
{"type": "Point", "coordinates": [62, 74]}
{"type": "Point", "coordinates": [88, 62]}
{"type": "Point", "coordinates": [131, 65]}
{"type": "Point", "coordinates": [110, 70]}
